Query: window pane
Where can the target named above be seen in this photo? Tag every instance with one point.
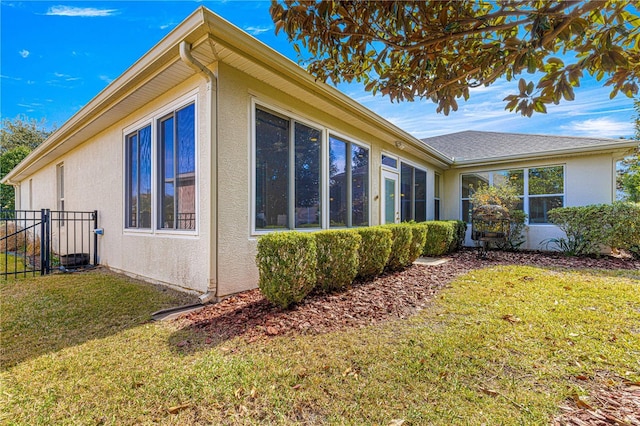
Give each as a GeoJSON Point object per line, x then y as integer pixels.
{"type": "Point", "coordinates": [436, 215]}
{"type": "Point", "coordinates": [389, 200]}
{"type": "Point", "coordinates": [166, 174]}
{"type": "Point", "coordinates": [359, 186]}
{"type": "Point", "coordinates": [186, 168]}
{"type": "Point", "coordinates": [337, 182]}
{"type": "Point", "coordinates": [406, 192]}
{"type": "Point", "coordinates": [307, 176]}
{"type": "Point", "coordinates": [472, 182]}
{"type": "Point", "coordinates": [540, 206]}
{"type": "Point", "coordinates": [467, 207]}
{"type": "Point", "coordinates": [132, 181]}
{"type": "Point", "coordinates": [389, 161]}
{"type": "Point", "coordinates": [144, 197]}
{"type": "Point", "coordinates": [513, 177]}
{"type": "Point", "coordinates": [436, 186]}
{"type": "Point", "coordinates": [546, 180]}
{"type": "Point", "coordinates": [421, 196]}
{"type": "Point", "coordinates": [272, 170]}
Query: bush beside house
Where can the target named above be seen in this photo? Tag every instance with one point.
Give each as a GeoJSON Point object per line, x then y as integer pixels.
{"type": "Point", "coordinates": [589, 229]}
{"type": "Point", "coordinates": [292, 264]}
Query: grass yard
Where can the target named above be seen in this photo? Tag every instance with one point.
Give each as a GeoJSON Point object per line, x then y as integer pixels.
{"type": "Point", "coordinates": [504, 345]}
{"type": "Point", "coordinates": [10, 263]}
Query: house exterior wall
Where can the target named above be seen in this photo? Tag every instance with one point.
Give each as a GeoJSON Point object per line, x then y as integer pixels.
{"type": "Point", "coordinates": [588, 179]}
{"type": "Point", "coordinates": [94, 180]}
{"type": "Point", "coordinates": [236, 242]}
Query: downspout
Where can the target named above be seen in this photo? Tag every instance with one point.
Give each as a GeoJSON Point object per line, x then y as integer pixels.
{"type": "Point", "coordinates": [212, 84]}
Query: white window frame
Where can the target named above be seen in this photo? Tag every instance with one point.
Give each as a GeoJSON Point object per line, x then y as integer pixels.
{"type": "Point", "coordinates": [152, 119]}
{"type": "Point", "coordinates": [525, 197]}
{"type": "Point", "coordinates": [324, 164]}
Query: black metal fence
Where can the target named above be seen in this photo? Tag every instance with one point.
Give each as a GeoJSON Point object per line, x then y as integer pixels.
{"type": "Point", "coordinates": [37, 242]}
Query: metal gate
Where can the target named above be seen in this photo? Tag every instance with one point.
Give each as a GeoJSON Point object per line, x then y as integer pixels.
{"type": "Point", "coordinates": [38, 242]}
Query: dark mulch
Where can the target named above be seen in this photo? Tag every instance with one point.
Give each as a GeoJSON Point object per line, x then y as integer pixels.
{"type": "Point", "coordinates": [395, 295]}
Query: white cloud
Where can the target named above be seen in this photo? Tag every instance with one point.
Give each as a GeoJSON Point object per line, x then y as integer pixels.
{"type": "Point", "coordinates": [257, 30]}
{"type": "Point", "coordinates": [105, 78]}
{"type": "Point", "coordinates": [602, 127]}
{"type": "Point", "coordinates": [24, 53]}
{"type": "Point", "coordinates": [90, 12]}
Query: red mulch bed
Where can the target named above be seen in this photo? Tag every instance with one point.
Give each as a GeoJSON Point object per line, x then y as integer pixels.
{"type": "Point", "coordinates": [399, 295]}
{"type": "Point", "coordinates": [395, 295]}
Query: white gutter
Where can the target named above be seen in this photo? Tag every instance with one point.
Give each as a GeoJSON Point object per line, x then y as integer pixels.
{"type": "Point", "coordinates": [212, 84]}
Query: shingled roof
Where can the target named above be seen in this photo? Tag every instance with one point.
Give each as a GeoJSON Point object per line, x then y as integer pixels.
{"type": "Point", "coordinates": [474, 146]}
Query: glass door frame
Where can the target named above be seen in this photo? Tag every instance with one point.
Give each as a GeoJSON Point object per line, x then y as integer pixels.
{"type": "Point", "coordinates": [395, 177]}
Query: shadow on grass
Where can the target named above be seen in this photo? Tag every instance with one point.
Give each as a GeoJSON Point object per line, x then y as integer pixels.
{"type": "Point", "coordinates": [46, 314]}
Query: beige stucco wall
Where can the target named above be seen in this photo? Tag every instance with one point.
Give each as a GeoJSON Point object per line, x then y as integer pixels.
{"type": "Point", "coordinates": [237, 245]}
{"type": "Point", "coordinates": [589, 179]}
{"type": "Point", "coordinates": [94, 173]}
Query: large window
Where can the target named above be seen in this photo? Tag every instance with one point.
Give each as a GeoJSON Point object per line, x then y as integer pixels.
{"type": "Point", "coordinates": [138, 179]}
{"type": "Point", "coordinates": [289, 184]}
{"type": "Point", "coordinates": [177, 171]}
{"type": "Point", "coordinates": [540, 189]}
{"type": "Point", "coordinates": [174, 162]}
{"type": "Point", "coordinates": [348, 183]}
{"type": "Point", "coordinates": [413, 193]}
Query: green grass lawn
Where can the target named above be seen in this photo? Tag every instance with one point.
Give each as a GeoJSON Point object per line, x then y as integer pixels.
{"type": "Point", "coordinates": [10, 263]}
{"type": "Point", "coordinates": [500, 346]}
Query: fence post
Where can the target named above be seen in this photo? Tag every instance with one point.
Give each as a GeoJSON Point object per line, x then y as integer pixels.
{"type": "Point", "coordinates": [47, 240]}
{"type": "Point", "coordinates": [43, 251]}
{"type": "Point", "coordinates": [95, 238]}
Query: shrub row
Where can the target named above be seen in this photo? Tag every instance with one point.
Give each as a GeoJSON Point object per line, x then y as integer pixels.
{"type": "Point", "coordinates": [291, 264]}
{"type": "Point", "coordinates": [589, 228]}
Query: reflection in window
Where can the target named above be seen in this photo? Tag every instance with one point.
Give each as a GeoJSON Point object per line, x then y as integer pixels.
{"type": "Point", "coordinates": [138, 179]}
{"type": "Point", "coordinates": [359, 186]}
{"type": "Point", "coordinates": [176, 140]}
{"type": "Point", "coordinates": [413, 193]}
{"type": "Point", "coordinates": [307, 176]}
{"type": "Point", "coordinates": [272, 170]}
{"type": "Point", "coordinates": [542, 191]}
{"type": "Point", "coordinates": [348, 184]}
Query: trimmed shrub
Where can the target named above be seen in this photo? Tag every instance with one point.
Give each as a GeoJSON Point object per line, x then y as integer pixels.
{"type": "Point", "coordinates": [401, 246]}
{"type": "Point", "coordinates": [440, 237]}
{"type": "Point", "coordinates": [287, 265]}
{"type": "Point", "coordinates": [337, 258]}
{"type": "Point", "coordinates": [589, 228]}
{"type": "Point", "coordinates": [459, 236]}
{"type": "Point", "coordinates": [516, 233]}
{"type": "Point", "coordinates": [374, 250]}
{"type": "Point", "coordinates": [418, 238]}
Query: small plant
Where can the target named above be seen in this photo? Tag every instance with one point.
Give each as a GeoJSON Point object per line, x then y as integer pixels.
{"type": "Point", "coordinates": [374, 250]}
{"type": "Point", "coordinates": [401, 246]}
{"type": "Point", "coordinates": [516, 235]}
{"type": "Point", "coordinates": [337, 258]}
{"type": "Point", "coordinates": [287, 266]}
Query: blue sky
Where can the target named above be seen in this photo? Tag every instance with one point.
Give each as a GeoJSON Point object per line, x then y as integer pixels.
{"type": "Point", "coordinates": [56, 56]}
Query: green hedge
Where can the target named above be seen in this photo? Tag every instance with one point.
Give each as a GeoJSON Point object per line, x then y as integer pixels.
{"type": "Point", "coordinates": [441, 236]}
{"type": "Point", "coordinates": [287, 265]}
{"type": "Point", "coordinates": [401, 246]}
{"type": "Point", "coordinates": [337, 258]}
{"type": "Point", "coordinates": [374, 250]}
{"type": "Point", "coordinates": [418, 239]}
{"type": "Point", "coordinates": [588, 228]}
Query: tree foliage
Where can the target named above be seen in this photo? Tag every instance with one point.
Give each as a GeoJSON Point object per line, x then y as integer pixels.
{"type": "Point", "coordinates": [628, 179]}
{"type": "Point", "coordinates": [439, 50]}
{"type": "Point", "coordinates": [18, 137]}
